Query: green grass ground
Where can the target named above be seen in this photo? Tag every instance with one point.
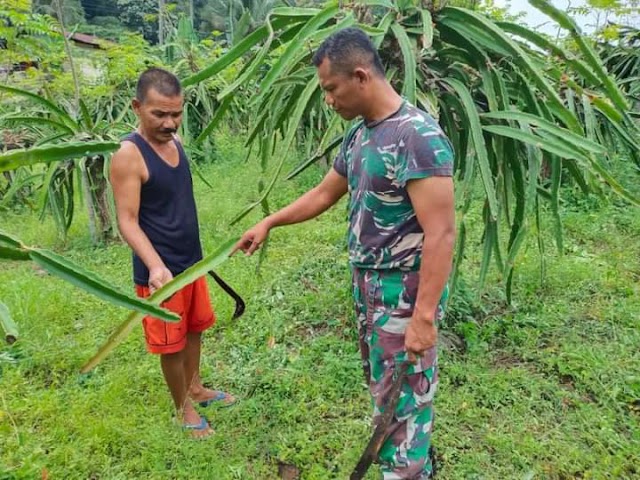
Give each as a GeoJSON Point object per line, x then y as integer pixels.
{"type": "Point", "coordinates": [547, 388]}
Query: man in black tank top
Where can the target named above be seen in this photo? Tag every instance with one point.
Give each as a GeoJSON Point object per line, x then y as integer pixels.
{"type": "Point", "coordinates": [157, 217]}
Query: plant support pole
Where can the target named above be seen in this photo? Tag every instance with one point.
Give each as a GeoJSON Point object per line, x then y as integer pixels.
{"type": "Point", "coordinates": [76, 84]}
{"type": "Point", "coordinates": [161, 22]}
{"type": "Point", "coordinates": [88, 198]}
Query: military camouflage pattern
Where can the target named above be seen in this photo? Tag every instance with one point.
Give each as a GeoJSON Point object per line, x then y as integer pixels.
{"type": "Point", "coordinates": [378, 159]}
{"type": "Point", "coordinates": [385, 252]}
{"type": "Point", "coordinates": [384, 301]}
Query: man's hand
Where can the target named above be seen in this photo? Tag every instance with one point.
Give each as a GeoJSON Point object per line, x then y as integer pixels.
{"type": "Point", "coordinates": [421, 334]}
{"type": "Point", "coordinates": [252, 239]}
{"type": "Point", "coordinates": [158, 276]}
{"type": "Point", "coordinates": [308, 206]}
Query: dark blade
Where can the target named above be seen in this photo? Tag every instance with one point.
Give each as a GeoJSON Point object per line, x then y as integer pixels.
{"type": "Point", "coordinates": [377, 439]}
{"type": "Point", "coordinates": [240, 305]}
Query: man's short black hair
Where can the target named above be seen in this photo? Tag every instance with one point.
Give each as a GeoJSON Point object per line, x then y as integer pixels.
{"type": "Point", "coordinates": [164, 82]}
{"type": "Point", "coordinates": [347, 49]}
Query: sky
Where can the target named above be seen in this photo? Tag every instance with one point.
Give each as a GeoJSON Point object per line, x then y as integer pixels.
{"type": "Point", "coordinates": [542, 23]}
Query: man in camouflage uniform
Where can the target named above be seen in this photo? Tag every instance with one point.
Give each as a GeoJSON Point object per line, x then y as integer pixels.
{"type": "Point", "coordinates": [396, 165]}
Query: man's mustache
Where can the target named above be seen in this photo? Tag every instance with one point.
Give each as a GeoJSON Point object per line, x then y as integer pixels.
{"type": "Point", "coordinates": [169, 130]}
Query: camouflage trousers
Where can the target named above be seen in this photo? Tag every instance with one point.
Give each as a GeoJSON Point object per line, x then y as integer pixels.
{"type": "Point", "coordinates": [384, 301]}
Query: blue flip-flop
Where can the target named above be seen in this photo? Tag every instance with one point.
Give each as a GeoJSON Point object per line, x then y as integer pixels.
{"type": "Point", "coordinates": [220, 397]}
{"type": "Point", "coordinates": [203, 425]}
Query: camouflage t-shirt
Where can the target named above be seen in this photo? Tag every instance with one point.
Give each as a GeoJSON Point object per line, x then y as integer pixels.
{"type": "Point", "coordinates": [378, 159]}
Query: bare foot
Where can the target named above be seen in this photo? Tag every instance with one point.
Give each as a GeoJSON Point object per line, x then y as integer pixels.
{"type": "Point", "coordinates": [197, 426]}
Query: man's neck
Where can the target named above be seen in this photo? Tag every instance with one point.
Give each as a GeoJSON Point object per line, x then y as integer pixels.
{"type": "Point", "coordinates": [150, 140]}
{"type": "Point", "coordinates": [385, 102]}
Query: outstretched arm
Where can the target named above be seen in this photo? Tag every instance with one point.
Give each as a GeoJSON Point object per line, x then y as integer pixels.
{"type": "Point", "coordinates": [308, 206]}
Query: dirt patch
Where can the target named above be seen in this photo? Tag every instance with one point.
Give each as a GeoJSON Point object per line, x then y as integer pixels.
{"type": "Point", "coordinates": [567, 381]}
{"type": "Point", "coordinates": [502, 359]}
{"type": "Point", "coordinates": [452, 342]}
{"type": "Point", "coordinates": [288, 471]}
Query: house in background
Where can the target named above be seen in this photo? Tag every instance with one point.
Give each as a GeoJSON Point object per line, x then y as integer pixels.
{"type": "Point", "coordinates": [80, 40]}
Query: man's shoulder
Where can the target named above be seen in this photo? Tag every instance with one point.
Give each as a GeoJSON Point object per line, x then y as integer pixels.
{"type": "Point", "coordinates": [127, 149]}
{"type": "Point", "coordinates": [127, 159]}
{"type": "Point", "coordinates": [420, 131]}
{"type": "Point", "coordinates": [415, 121]}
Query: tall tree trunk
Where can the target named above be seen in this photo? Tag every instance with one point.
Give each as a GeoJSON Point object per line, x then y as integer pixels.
{"type": "Point", "coordinates": [100, 196]}
{"type": "Point", "coordinates": [88, 198]}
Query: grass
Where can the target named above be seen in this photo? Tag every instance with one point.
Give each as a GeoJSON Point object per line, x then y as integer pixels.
{"type": "Point", "coordinates": [547, 388]}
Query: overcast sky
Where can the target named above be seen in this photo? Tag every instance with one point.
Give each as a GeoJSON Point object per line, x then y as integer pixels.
{"type": "Point", "coordinates": [537, 19]}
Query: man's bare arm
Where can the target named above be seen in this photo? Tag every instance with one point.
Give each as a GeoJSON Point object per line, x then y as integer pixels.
{"type": "Point", "coordinates": [434, 203]}
{"type": "Point", "coordinates": [126, 180]}
{"type": "Point", "coordinates": [308, 206]}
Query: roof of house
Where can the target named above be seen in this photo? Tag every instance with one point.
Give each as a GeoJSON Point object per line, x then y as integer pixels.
{"type": "Point", "coordinates": [86, 39]}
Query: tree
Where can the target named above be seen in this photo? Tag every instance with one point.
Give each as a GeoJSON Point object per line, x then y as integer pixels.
{"type": "Point", "coordinates": [236, 18]}
{"type": "Point", "coordinates": [26, 37]}
{"type": "Point", "coordinates": [510, 100]}
{"type": "Point", "coordinates": [72, 10]}
{"type": "Point", "coordinates": [140, 16]}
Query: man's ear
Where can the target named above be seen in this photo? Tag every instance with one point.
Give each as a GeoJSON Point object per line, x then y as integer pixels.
{"type": "Point", "coordinates": [362, 75]}
{"type": "Point", "coordinates": [135, 103]}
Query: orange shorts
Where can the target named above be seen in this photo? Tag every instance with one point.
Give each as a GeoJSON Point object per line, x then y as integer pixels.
{"type": "Point", "coordinates": [193, 305]}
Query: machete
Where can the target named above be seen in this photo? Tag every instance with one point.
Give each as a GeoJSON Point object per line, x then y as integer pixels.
{"type": "Point", "coordinates": [379, 435]}
{"type": "Point", "coordinates": [240, 305]}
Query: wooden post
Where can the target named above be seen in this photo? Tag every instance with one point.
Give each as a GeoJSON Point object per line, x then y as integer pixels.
{"type": "Point", "coordinates": [161, 22]}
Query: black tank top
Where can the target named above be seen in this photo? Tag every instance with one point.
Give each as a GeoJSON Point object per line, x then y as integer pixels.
{"type": "Point", "coordinates": [167, 212]}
